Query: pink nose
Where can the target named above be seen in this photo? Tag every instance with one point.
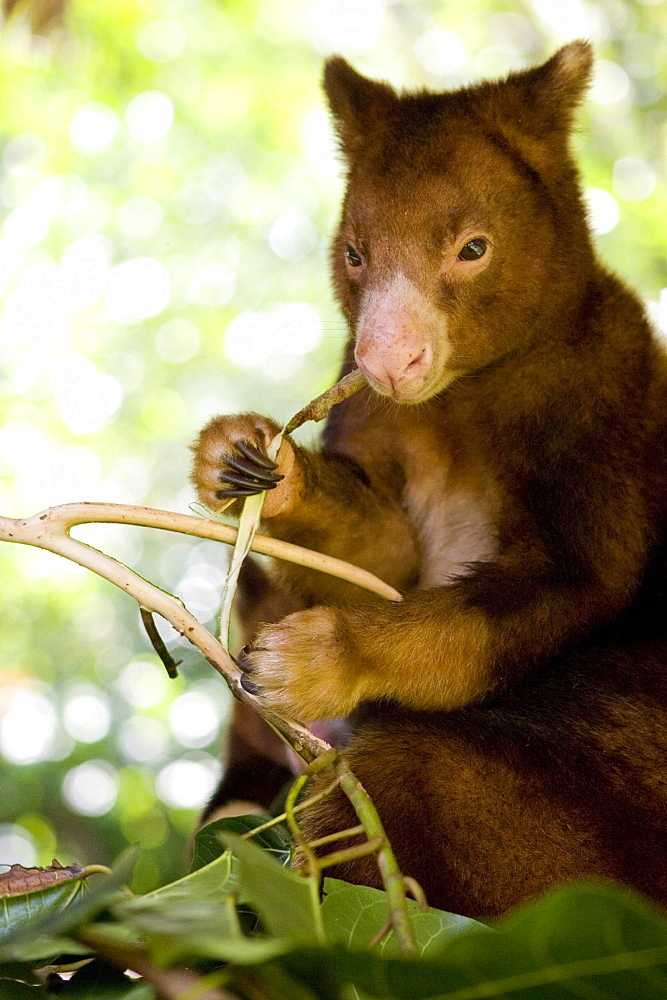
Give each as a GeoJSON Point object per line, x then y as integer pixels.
{"type": "Point", "coordinates": [394, 363]}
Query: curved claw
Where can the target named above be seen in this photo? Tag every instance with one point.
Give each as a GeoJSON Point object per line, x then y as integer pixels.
{"type": "Point", "coordinates": [250, 469]}
{"type": "Point", "coordinates": [242, 661]}
{"type": "Point", "coordinates": [231, 494]}
{"type": "Point", "coordinates": [256, 456]}
{"type": "Point", "coordinates": [244, 483]}
{"type": "Point", "coordinates": [250, 686]}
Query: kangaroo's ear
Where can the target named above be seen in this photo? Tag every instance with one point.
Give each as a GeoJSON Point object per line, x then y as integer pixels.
{"type": "Point", "coordinates": [544, 100]}
{"type": "Point", "coordinates": [556, 88]}
{"type": "Point", "coordinates": [358, 105]}
{"type": "Point", "coordinates": [534, 109]}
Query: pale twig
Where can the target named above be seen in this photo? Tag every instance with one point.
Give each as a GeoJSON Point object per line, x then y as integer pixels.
{"type": "Point", "coordinates": [67, 516]}
{"type": "Point", "coordinates": [392, 877]}
{"type": "Point", "coordinates": [382, 933]}
{"type": "Point", "coordinates": [313, 862]}
{"type": "Point", "coordinates": [50, 530]}
{"type": "Point", "coordinates": [352, 831]}
{"type": "Point", "coordinates": [413, 887]}
{"type": "Point", "coordinates": [248, 524]}
{"type": "Point", "coordinates": [371, 846]}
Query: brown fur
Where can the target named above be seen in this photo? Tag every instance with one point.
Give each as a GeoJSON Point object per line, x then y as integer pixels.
{"type": "Point", "coordinates": [507, 470]}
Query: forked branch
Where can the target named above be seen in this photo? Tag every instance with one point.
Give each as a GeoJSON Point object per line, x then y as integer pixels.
{"type": "Point", "coordinates": [50, 530]}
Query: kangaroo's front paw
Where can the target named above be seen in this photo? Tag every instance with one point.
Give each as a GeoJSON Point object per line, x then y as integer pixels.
{"type": "Point", "coordinates": [301, 667]}
{"type": "Point", "coordinates": [231, 462]}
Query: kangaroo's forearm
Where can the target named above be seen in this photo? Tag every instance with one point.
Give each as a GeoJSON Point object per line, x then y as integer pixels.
{"type": "Point", "coordinates": [343, 514]}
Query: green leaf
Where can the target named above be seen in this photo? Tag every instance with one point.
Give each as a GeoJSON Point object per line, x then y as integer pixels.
{"type": "Point", "coordinates": [188, 947]}
{"type": "Point", "coordinates": [43, 931]}
{"type": "Point", "coordinates": [280, 896]}
{"type": "Point", "coordinates": [186, 917]}
{"type": "Point", "coordinates": [273, 981]}
{"type": "Point", "coordinates": [587, 939]}
{"type": "Point", "coordinates": [195, 917]}
{"type": "Point", "coordinates": [212, 882]}
{"type": "Point", "coordinates": [208, 846]}
{"type": "Point", "coordinates": [353, 914]}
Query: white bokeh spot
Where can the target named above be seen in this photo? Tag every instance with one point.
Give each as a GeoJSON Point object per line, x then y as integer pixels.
{"type": "Point", "coordinates": [292, 329]}
{"type": "Point", "coordinates": [602, 209]}
{"type": "Point", "coordinates": [187, 784]}
{"type": "Point", "coordinates": [611, 83]}
{"type": "Point", "coordinates": [634, 180]}
{"type": "Point", "coordinates": [86, 715]}
{"type": "Point", "coordinates": [162, 39]}
{"type": "Point", "coordinates": [137, 289]}
{"type": "Point", "coordinates": [28, 728]}
{"type": "Point", "coordinates": [150, 116]}
{"type": "Point", "coordinates": [93, 128]}
{"type": "Point", "coordinates": [91, 789]}
{"type": "Point", "coordinates": [87, 398]}
{"type": "Point", "coordinates": [350, 27]}
{"type": "Point", "coordinates": [293, 236]}
{"type": "Point", "coordinates": [440, 51]}
{"type": "Point", "coordinates": [193, 719]}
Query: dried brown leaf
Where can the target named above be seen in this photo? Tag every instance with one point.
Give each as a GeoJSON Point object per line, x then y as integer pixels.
{"type": "Point", "coordinates": [19, 880]}
{"type": "Point", "coordinates": [319, 407]}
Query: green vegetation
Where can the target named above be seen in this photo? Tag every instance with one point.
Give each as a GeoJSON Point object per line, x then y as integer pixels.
{"type": "Point", "coordinates": [243, 926]}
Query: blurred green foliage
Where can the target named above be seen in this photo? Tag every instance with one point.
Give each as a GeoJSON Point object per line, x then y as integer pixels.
{"type": "Point", "coordinates": [167, 186]}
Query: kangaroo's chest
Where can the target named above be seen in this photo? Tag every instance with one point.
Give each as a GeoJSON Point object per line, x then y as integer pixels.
{"type": "Point", "coordinates": [453, 505]}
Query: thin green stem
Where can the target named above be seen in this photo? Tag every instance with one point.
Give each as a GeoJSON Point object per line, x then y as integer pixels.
{"type": "Point", "coordinates": [351, 832]}
{"type": "Point", "coordinates": [298, 808]}
{"type": "Point", "coordinates": [391, 875]}
{"type": "Point", "coordinates": [314, 869]}
{"type": "Point", "coordinates": [351, 853]}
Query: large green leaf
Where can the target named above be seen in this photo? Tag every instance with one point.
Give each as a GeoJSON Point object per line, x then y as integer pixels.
{"type": "Point", "coordinates": [188, 917]}
{"type": "Point", "coordinates": [280, 896]}
{"type": "Point", "coordinates": [193, 918]}
{"type": "Point", "coordinates": [353, 914]}
{"type": "Point", "coordinates": [586, 940]}
{"type": "Point", "coordinates": [208, 846]}
{"type": "Point", "coordinates": [201, 892]}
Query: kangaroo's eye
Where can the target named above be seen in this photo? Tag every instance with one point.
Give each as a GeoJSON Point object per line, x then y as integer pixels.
{"type": "Point", "coordinates": [352, 257]}
{"type": "Point", "coordinates": [474, 249]}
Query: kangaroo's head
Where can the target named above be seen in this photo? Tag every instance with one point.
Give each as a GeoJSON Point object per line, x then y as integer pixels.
{"type": "Point", "coordinates": [463, 237]}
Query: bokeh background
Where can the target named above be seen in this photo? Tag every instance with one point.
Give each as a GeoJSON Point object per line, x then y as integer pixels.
{"type": "Point", "coordinates": [167, 186]}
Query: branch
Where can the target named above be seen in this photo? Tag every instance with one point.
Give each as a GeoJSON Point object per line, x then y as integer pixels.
{"type": "Point", "coordinates": [50, 530]}
{"type": "Point", "coordinates": [30, 532]}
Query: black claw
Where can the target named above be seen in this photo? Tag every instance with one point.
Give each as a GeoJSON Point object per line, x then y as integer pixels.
{"type": "Point", "coordinates": [244, 483]}
{"type": "Point", "coordinates": [255, 455]}
{"type": "Point", "coordinates": [250, 469]}
{"type": "Point", "coordinates": [242, 660]}
{"type": "Point", "coordinates": [249, 686]}
{"type": "Point", "coordinates": [231, 494]}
